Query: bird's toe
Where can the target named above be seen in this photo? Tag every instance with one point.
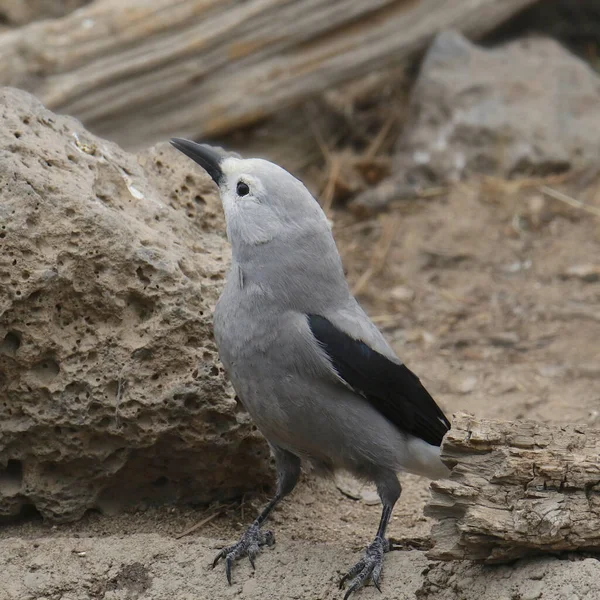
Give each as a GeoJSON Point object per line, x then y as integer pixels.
{"type": "Point", "coordinates": [249, 545]}
{"type": "Point", "coordinates": [351, 573]}
{"type": "Point", "coordinates": [376, 575]}
{"type": "Point", "coordinates": [228, 563]}
{"type": "Point", "coordinates": [368, 567]}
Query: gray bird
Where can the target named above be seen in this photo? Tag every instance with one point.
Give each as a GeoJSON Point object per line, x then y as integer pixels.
{"type": "Point", "coordinates": [316, 375]}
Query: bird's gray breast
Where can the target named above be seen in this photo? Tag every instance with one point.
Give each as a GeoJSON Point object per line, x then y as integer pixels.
{"type": "Point", "coordinates": [269, 356]}
{"type": "Point", "coordinates": [245, 327]}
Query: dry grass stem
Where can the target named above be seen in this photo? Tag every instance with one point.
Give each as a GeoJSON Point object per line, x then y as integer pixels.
{"type": "Point", "coordinates": [562, 197]}
{"type": "Point", "coordinates": [513, 186]}
{"type": "Point", "coordinates": [325, 151]}
{"type": "Point", "coordinates": [380, 253]}
{"type": "Point", "coordinates": [379, 139]}
{"type": "Point", "coordinates": [329, 190]}
{"type": "Point", "coordinates": [204, 521]}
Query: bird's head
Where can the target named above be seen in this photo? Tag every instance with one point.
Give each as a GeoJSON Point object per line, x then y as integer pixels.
{"type": "Point", "coordinates": [262, 201]}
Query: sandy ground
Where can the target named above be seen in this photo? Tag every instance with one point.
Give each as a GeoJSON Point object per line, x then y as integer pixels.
{"type": "Point", "coordinates": [492, 295]}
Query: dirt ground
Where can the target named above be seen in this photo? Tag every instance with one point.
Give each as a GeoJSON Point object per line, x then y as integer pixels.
{"type": "Point", "coordinates": [491, 294]}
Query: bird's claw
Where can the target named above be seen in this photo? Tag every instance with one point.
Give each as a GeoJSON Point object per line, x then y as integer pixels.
{"type": "Point", "coordinates": [249, 545]}
{"type": "Point", "coordinates": [368, 567]}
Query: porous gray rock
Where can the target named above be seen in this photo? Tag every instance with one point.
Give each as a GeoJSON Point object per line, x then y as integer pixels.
{"type": "Point", "coordinates": [527, 108]}
{"type": "Point", "coordinates": [111, 392]}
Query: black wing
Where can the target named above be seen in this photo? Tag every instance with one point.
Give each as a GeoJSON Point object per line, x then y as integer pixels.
{"type": "Point", "coordinates": [393, 389]}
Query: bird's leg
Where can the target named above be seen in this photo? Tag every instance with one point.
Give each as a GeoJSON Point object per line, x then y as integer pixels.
{"type": "Point", "coordinates": [288, 471]}
{"type": "Point", "coordinates": [370, 566]}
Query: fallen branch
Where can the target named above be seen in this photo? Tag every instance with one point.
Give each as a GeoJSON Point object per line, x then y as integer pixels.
{"type": "Point", "coordinates": [516, 488]}
{"type": "Point", "coordinates": [142, 70]}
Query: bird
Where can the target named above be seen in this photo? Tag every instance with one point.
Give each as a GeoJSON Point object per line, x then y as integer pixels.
{"type": "Point", "coordinates": [317, 376]}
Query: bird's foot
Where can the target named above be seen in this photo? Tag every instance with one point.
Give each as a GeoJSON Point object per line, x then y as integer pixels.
{"type": "Point", "coordinates": [368, 567]}
{"type": "Point", "coordinates": [249, 545]}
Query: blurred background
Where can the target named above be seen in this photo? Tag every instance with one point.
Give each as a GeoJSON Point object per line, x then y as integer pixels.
{"type": "Point", "coordinates": [454, 145]}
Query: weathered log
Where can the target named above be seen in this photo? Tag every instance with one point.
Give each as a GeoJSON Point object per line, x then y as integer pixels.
{"type": "Point", "coordinates": [139, 71]}
{"type": "Point", "coordinates": [19, 12]}
{"type": "Point", "coordinates": [516, 488]}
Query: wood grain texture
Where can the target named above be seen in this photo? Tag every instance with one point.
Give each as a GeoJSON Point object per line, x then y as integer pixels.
{"type": "Point", "coordinates": [141, 70]}
{"type": "Point", "coordinates": [516, 488]}
{"type": "Point", "coordinates": [19, 12]}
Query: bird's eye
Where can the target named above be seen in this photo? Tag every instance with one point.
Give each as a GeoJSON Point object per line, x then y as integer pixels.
{"type": "Point", "coordinates": [242, 189]}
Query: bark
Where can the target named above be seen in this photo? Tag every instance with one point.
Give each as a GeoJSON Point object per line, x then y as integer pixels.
{"type": "Point", "coordinates": [139, 71]}
{"type": "Point", "coordinates": [19, 12]}
{"type": "Point", "coordinates": [516, 488]}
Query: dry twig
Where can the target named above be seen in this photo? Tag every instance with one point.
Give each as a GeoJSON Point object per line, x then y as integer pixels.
{"type": "Point", "coordinates": [377, 142]}
{"type": "Point", "coordinates": [329, 190]}
{"type": "Point", "coordinates": [380, 254]}
{"type": "Point", "coordinates": [203, 522]}
{"type": "Point", "coordinates": [562, 197]}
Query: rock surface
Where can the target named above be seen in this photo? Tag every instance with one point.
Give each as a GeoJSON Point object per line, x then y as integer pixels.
{"type": "Point", "coordinates": [529, 107]}
{"type": "Point", "coordinates": [111, 393]}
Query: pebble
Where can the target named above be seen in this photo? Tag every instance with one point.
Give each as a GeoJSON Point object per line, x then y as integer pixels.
{"type": "Point", "coordinates": [402, 293]}
{"type": "Point", "coordinates": [551, 371]}
{"type": "Point", "coordinates": [567, 592]}
{"type": "Point", "coordinates": [533, 591]}
{"type": "Point", "coordinates": [355, 489]}
{"type": "Point", "coordinates": [589, 273]}
{"type": "Point", "coordinates": [464, 384]}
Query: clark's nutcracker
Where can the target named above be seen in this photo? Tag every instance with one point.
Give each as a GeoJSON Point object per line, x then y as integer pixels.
{"type": "Point", "coordinates": [313, 371]}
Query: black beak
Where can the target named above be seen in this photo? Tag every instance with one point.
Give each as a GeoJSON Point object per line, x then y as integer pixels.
{"type": "Point", "coordinates": [205, 156]}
